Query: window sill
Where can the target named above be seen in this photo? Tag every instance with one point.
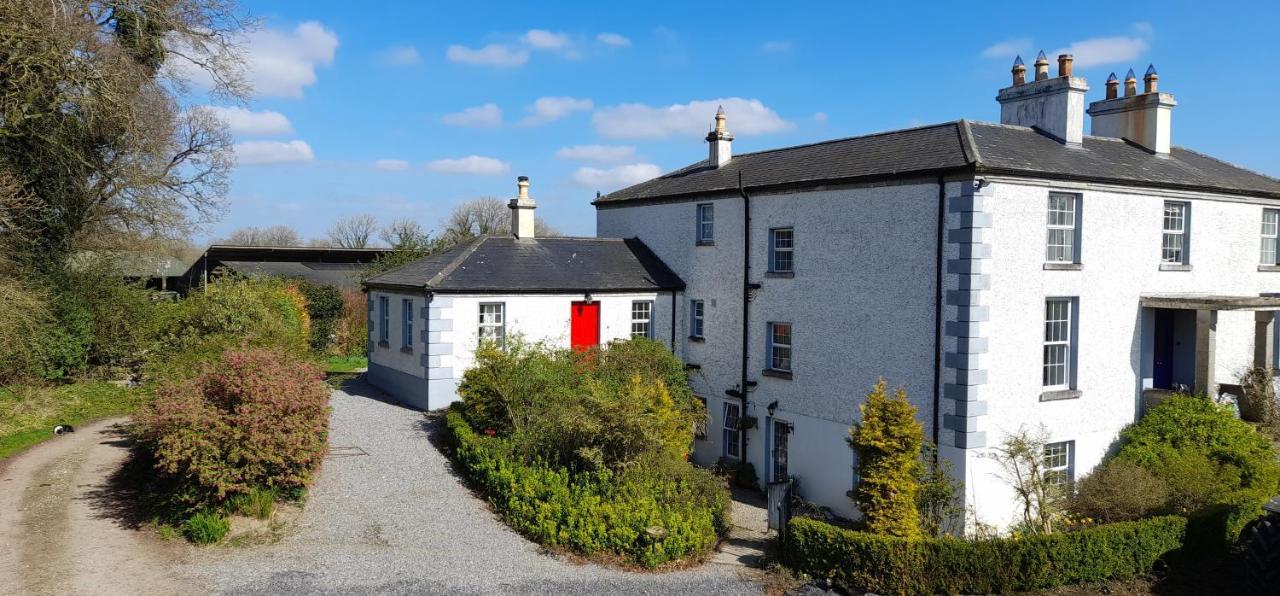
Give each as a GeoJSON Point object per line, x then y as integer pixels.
{"type": "Point", "coordinates": [1060, 394]}
{"type": "Point", "coordinates": [406, 350]}
{"type": "Point", "coordinates": [697, 338]}
{"type": "Point", "coordinates": [692, 366]}
{"type": "Point", "coordinates": [384, 344]}
{"type": "Point", "coordinates": [780, 274]}
{"type": "Point", "coordinates": [777, 374]}
{"type": "Point", "coordinates": [1174, 267]}
{"type": "Point", "coordinates": [1063, 266]}
{"type": "Point", "coordinates": [1269, 268]}
{"type": "Point", "coordinates": [704, 243]}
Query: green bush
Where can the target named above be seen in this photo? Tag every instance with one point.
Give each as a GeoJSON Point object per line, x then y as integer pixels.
{"type": "Point", "coordinates": [24, 318]}
{"type": "Point", "coordinates": [1203, 453]}
{"type": "Point", "coordinates": [258, 502]}
{"type": "Point", "coordinates": [1118, 490]}
{"type": "Point", "coordinates": [324, 306]}
{"type": "Point", "coordinates": [256, 418]}
{"type": "Point", "coordinates": [648, 514]}
{"type": "Point", "coordinates": [892, 565]}
{"type": "Point", "coordinates": [206, 527]}
{"type": "Point", "coordinates": [888, 440]}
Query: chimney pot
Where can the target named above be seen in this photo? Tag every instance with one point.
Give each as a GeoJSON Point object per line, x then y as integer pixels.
{"type": "Point", "coordinates": [1064, 64]}
{"type": "Point", "coordinates": [522, 222]}
{"type": "Point", "coordinates": [1113, 86]}
{"type": "Point", "coordinates": [1143, 119]}
{"type": "Point", "coordinates": [720, 140]}
{"type": "Point", "coordinates": [1130, 84]}
{"type": "Point", "coordinates": [1150, 80]}
{"type": "Point", "coordinates": [1042, 66]}
{"type": "Point", "coordinates": [1019, 71]}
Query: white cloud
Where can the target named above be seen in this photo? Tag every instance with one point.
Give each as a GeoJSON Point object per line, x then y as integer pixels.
{"type": "Point", "coordinates": [1008, 48]}
{"type": "Point", "coordinates": [391, 165]}
{"type": "Point", "coordinates": [243, 121]}
{"type": "Point", "coordinates": [640, 121]}
{"type": "Point", "coordinates": [613, 39]}
{"type": "Point", "coordinates": [617, 177]}
{"type": "Point", "coordinates": [1097, 51]}
{"type": "Point", "coordinates": [401, 56]}
{"type": "Point", "coordinates": [490, 55]}
{"type": "Point", "coordinates": [472, 165]}
{"type": "Point", "coordinates": [541, 39]}
{"type": "Point", "coordinates": [548, 109]}
{"type": "Point", "coordinates": [486, 115]}
{"type": "Point", "coordinates": [600, 153]}
{"type": "Point", "coordinates": [819, 116]}
{"type": "Point", "coordinates": [250, 153]}
{"type": "Point", "coordinates": [276, 63]}
{"type": "Point", "coordinates": [775, 47]}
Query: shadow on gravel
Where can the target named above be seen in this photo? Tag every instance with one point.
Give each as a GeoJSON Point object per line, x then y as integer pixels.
{"type": "Point", "coordinates": [134, 495]}
{"type": "Point", "coordinates": [360, 387]}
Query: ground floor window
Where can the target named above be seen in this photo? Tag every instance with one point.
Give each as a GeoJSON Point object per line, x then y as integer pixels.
{"type": "Point", "coordinates": [642, 318]}
{"type": "Point", "coordinates": [1058, 468]}
{"type": "Point", "coordinates": [781, 444]}
{"type": "Point", "coordinates": [732, 412]}
{"type": "Point", "coordinates": [493, 322]}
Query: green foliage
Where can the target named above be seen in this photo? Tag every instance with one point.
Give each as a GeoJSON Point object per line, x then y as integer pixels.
{"type": "Point", "coordinates": [649, 514]}
{"type": "Point", "coordinates": [881, 564]}
{"type": "Point", "coordinates": [739, 473]}
{"type": "Point", "coordinates": [605, 408]}
{"type": "Point", "coordinates": [1259, 402]}
{"type": "Point", "coordinates": [258, 502]}
{"type": "Point", "coordinates": [324, 305]}
{"type": "Point", "coordinates": [1203, 453]}
{"type": "Point", "coordinates": [255, 418]}
{"type": "Point", "coordinates": [1040, 499]}
{"type": "Point", "coordinates": [351, 328]}
{"type": "Point", "coordinates": [24, 318]}
{"type": "Point", "coordinates": [206, 527]}
{"type": "Point", "coordinates": [939, 498]}
{"type": "Point", "coordinates": [345, 364]}
{"type": "Point", "coordinates": [28, 413]}
{"type": "Point", "coordinates": [1119, 490]}
{"type": "Point", "coordinates": [888, 440]}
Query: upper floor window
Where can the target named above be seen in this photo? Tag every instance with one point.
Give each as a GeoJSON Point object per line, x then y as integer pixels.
{"type": "Point", "coordinates": [1059, 343]}
{"type": "Point", "coordinates": [406, 323]}
{"type": "Point", "coordinates": [1063, 245]}
{"type": "Point", "coordinates": [1173, 247]}
{"type": "Point", "coordinates": [706, 223]}
{"type": "Point", "coordinates": [642, 318]}
{"type": "Point", "coordinates": [1270, 227]}
{"type": "Point", "coordinates": [780, 347]}
{"type": "Point", "coordinates": [493, 322]}
{"type": "Point", "coordinates": [1058, 465]}
{"type": "Point", "coordinates": [384, 319]}
{"type": "Point", "coordinates": [696, 317]}
{"type": "Point", "coordinates": [782, 250]}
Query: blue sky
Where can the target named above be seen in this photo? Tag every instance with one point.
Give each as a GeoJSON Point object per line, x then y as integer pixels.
{"type": "Point", "coordinates": [404, 109]}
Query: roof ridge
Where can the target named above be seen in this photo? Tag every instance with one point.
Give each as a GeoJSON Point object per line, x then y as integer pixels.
{"type": "Point", "coordinates": [457, 261]}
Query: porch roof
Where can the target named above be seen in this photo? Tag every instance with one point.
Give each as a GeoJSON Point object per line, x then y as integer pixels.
{"type": "Point", "coordinates": [1210, 302]}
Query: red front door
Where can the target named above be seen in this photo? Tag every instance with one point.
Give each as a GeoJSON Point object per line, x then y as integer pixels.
{"type": "Point", "coordinates": [584, 325]}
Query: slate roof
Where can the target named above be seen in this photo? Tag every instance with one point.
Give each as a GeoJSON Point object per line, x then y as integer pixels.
{"type": "Point", "coordinates": [338, 275]}
{"type": "Point", "coordinates": [979, 147]}
{"type": "Point", "coordinates": [497, 264]}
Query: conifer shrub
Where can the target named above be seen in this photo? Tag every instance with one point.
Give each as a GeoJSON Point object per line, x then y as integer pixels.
{"type": "Point", "coordinates": [254, 418]}
{"type": "Point", "coordinates": [888, 440]}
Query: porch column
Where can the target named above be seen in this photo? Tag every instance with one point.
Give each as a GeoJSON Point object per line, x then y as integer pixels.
{"type": "Point", "coordinates": [1264, 330]}
{"type": "Point", "coordinates": [1206, 351]}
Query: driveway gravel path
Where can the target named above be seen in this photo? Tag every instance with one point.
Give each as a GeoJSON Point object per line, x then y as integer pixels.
{"type": "Point", "coordinates": [388, 516]}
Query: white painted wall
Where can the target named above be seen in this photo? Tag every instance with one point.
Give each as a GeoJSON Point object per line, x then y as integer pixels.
{"type": "Point", "coordinates": [391, 355]}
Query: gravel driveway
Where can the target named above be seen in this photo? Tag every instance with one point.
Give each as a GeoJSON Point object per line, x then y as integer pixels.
{"type": "Point", "coordinates": [388, 516]}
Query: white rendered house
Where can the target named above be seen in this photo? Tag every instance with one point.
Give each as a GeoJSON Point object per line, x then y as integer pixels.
{"type": "Point", "coordinates": [1007, 275]}
{"type": "Point", "coordinates": [427, 318]}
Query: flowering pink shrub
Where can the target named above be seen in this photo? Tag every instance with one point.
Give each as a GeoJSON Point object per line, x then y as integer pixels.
{"type": "Point", "coordinates": [253, 418]}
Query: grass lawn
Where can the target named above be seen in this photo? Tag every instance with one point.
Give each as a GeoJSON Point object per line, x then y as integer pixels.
{"type": "Point", "coordinates": [345, 364]}
{"type": "Point", "coordinates": [28, 413]}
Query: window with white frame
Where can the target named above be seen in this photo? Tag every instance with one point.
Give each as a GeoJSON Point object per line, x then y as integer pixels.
{"type": "Point", "coordinates": [642, 318]}
{"type": "Point", "coordinates": [730, 446]}
{"type": "Point", "coordinates": [1058, 342]}
{"type": "Point", "coordinates": [493, 322]}
{"type": "Point", "coordinates": [1270, 227]}
{"type": "Point", "coordinates": [1173, 247]}
{"type": "Point", "coordinates": [1061, 245]}
{"type": "Point", "coordinates": [780, 347]}
{"type": "Point", "coordinates": [406, 323]}
{"type": "Point", "coordinates": [1058, 468]}
{"type": "Point", "coordinates": [697, 315]}
{"type": "Point", "coordinates": [706, 223]}
{"type": "Point", "coordinates": [782, 250]}
{"type": "Point", "coordinates": [384, 319]}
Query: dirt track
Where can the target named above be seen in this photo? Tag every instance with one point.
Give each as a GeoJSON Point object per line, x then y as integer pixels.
{"type": "Point", "coordinates": [61, 530]}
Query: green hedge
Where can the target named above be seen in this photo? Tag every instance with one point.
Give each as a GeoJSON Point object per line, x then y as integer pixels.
{"type": "Point", "coordinates": [889, 565]}
{"type": "Point", "coordinates": [648, 517]}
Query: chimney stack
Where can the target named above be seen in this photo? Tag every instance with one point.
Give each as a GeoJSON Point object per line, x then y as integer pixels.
{"type": "Point", "coordinates": [522, 207]}
{"type": "Point", "coordinates": [721, 141]}
{"type": "Point", "coordinates": [1143, 119]}
{"type": "Point", "coordinates": [1054, 106]}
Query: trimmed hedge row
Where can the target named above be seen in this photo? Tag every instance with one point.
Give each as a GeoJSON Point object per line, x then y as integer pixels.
{"type": "Point", "coordinates": [647, 518]}
{"type": "Point", "coordinates": [889, 565]}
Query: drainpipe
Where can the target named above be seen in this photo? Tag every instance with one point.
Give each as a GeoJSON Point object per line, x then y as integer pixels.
{"type": "Point", "coordinates": [673, 322]}
{"type": "Point", "coordinates": [940, 239]}
{"type": "Point", "coordinates": [746, 308]}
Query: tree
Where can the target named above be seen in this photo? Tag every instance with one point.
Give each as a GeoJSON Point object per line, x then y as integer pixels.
{"type": "Point", "coordinates": [488, 215]}
{"type": "Point", "coordinates": [888, 440]}
{"type": "Point", "coordinates": [404, 233]}
{"type": "Point", "coordinates": [255, 236]}
{"type": "Point", "coordinates": [1041, 497]}
{"type": "Point", "coordinates": [353, 231]}
{"type": "Point", "coordinates": [93, 126]}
